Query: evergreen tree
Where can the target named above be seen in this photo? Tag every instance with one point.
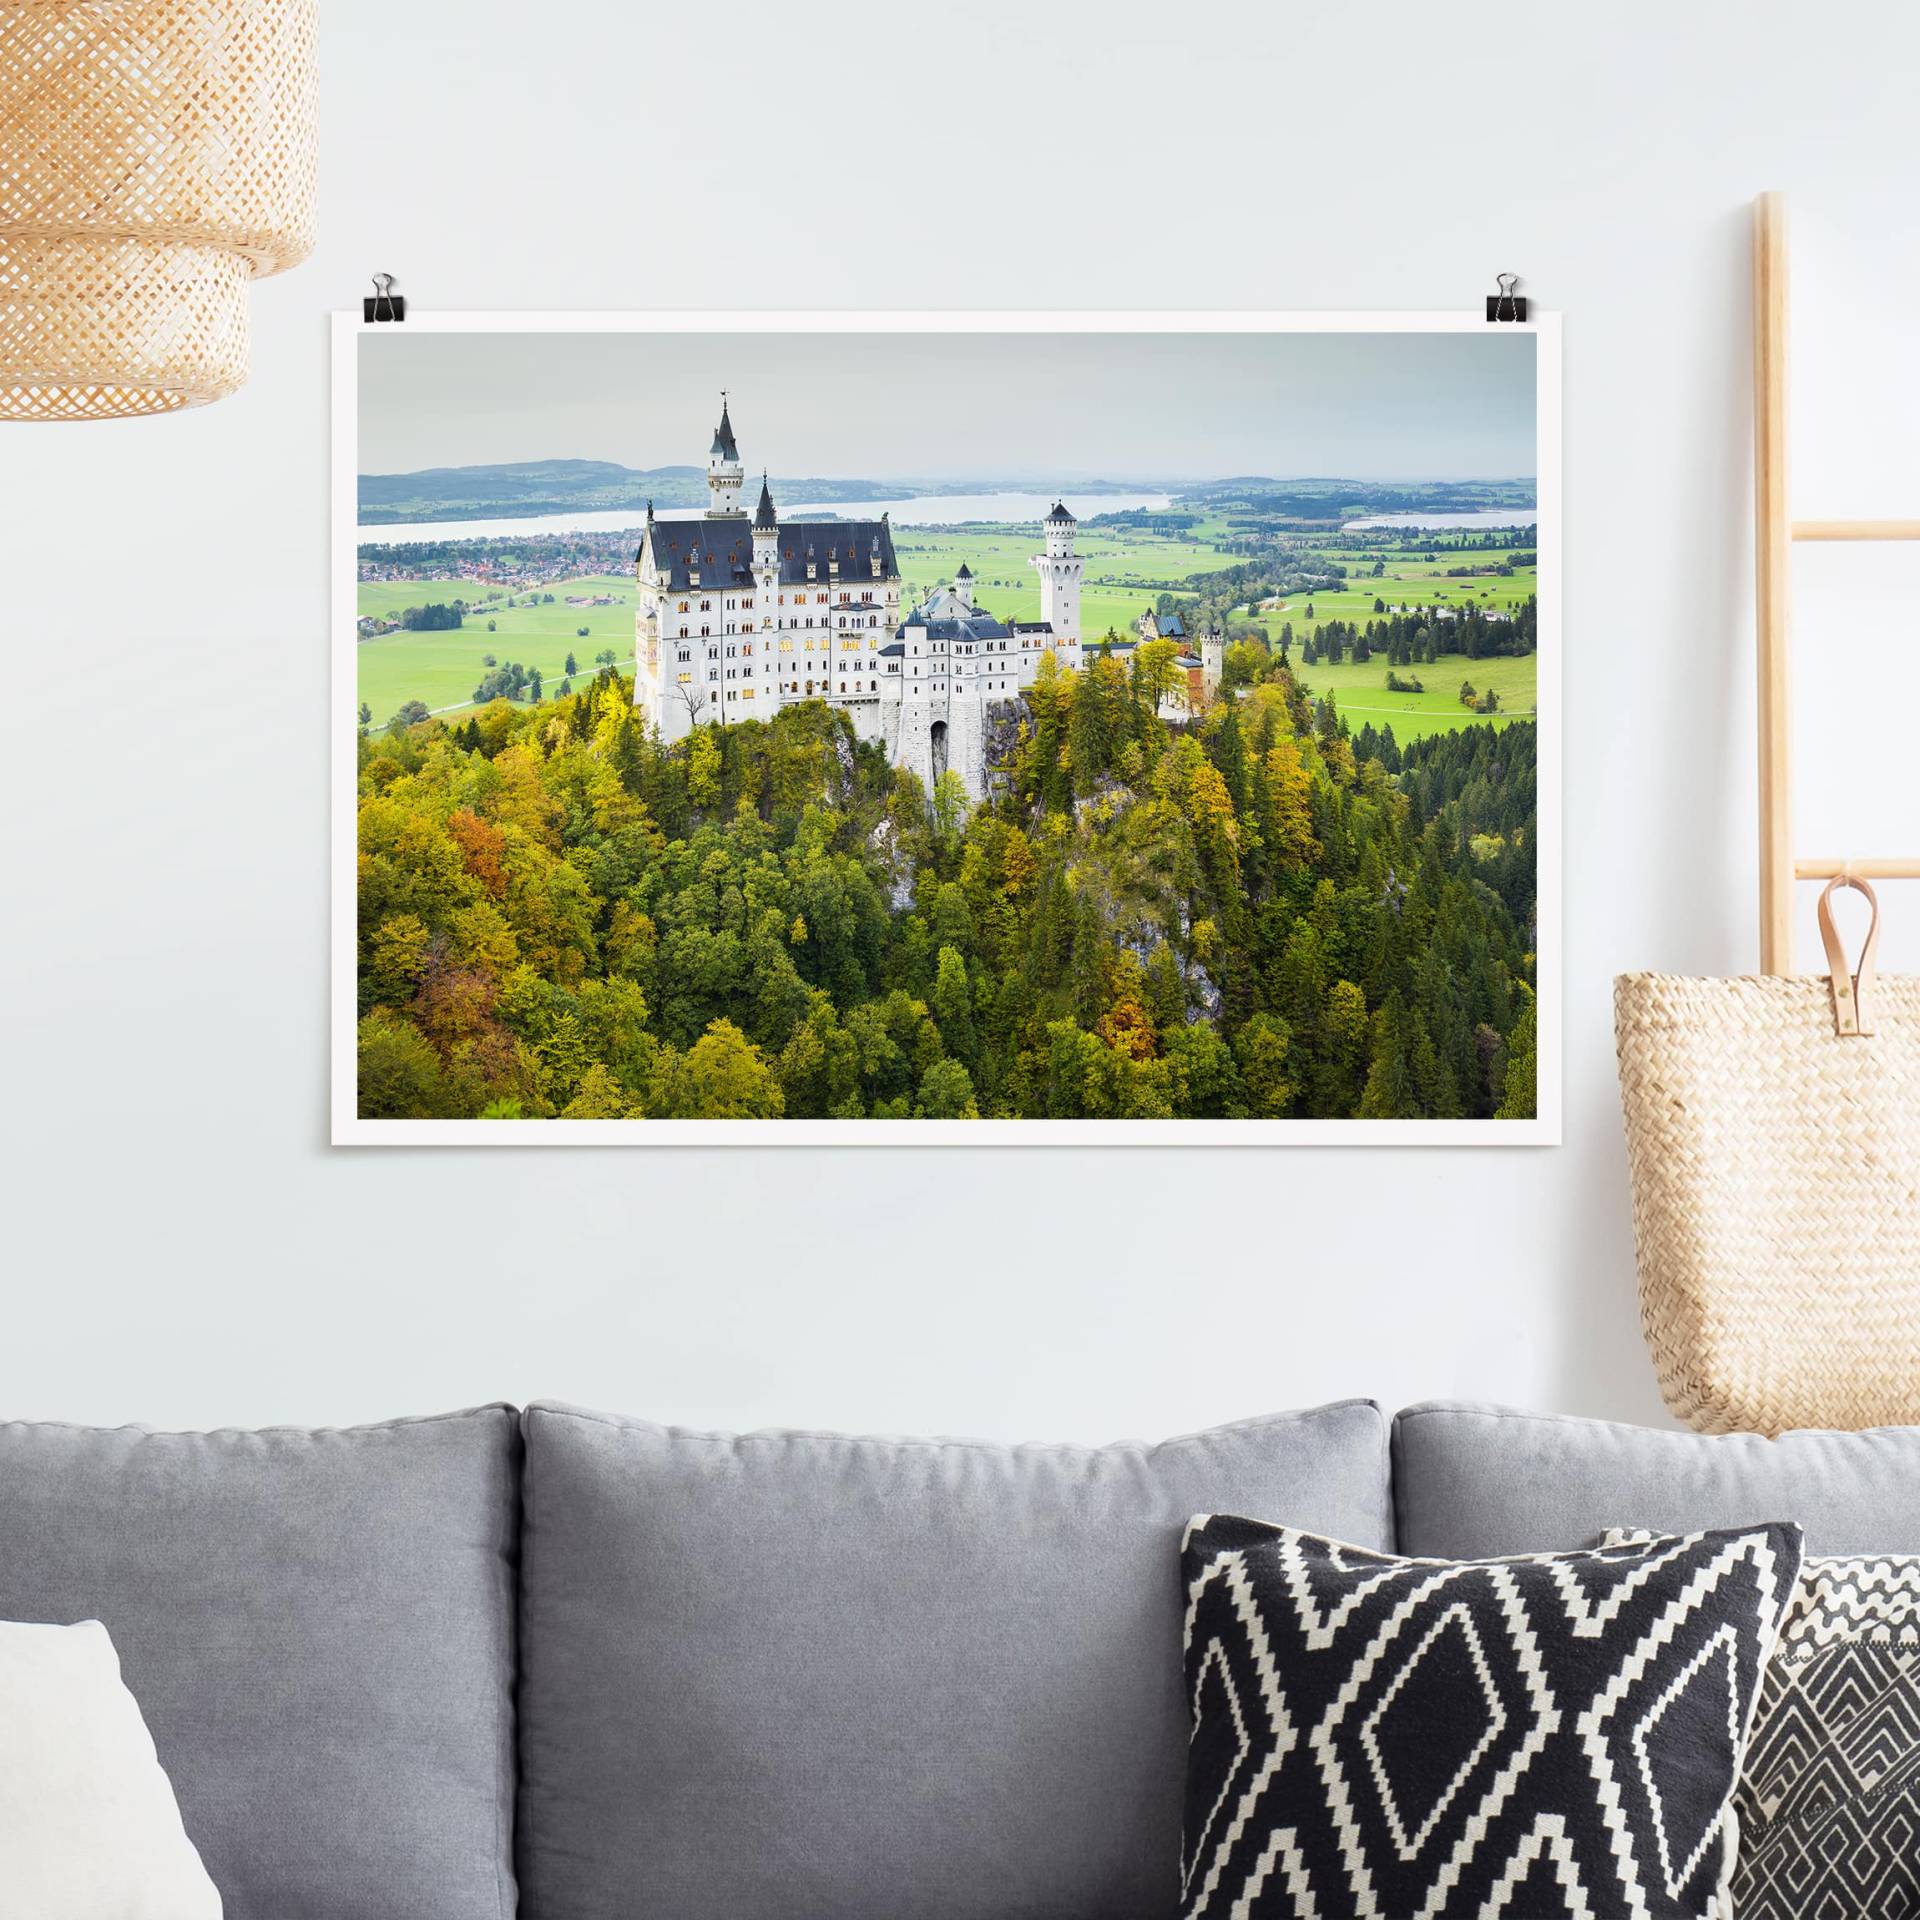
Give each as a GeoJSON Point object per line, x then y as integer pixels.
{"type": "Point", "coordinates": [1390, 1092]}
{"type": "Point", "coordinates": [1518, 1101]}
{"type": "Point", "coordinates": [1229, 755]}
{"type": "Point", "coordinates": [1340, 1052]}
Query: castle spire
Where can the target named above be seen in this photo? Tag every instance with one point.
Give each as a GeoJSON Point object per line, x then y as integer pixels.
{"type": "Point", "coordinates": [723, 469]}
{"type": "Point", "coordinates": [764, 516]}
{"type": "Point", "coordinates": [724, 447]}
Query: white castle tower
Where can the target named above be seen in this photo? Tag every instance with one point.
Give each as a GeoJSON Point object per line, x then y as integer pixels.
{"type": "Point", "coordinates": [766, 547]}
{"type": "Point", "coordinates": [1060, 569]}
{"type": "Point", "coordinates": [723, 470]}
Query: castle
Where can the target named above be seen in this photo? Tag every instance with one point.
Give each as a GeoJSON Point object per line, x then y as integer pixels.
{"type": "Point", "coordinates": [739, 616]}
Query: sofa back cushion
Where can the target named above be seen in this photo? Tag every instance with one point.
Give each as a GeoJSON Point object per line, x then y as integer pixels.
{"type": "Point", "coordinates": [822, 1678]}
{"type": "Point", "coordinates": [1473, 1481]}
{"type": "Point", "coordinates": [318, 1627]}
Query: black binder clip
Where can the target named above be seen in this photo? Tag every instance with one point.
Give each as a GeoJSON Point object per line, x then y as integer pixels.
{"type": "Point", "coordinates": [1506, 304]}
{"type": "Point", "coordinates": [388, 305]}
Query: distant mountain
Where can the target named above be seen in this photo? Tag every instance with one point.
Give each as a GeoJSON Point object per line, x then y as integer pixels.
{"type": "Point", "coordinates": [522, 489]}
{"type": "Point", "coordinates": [1319, 501]}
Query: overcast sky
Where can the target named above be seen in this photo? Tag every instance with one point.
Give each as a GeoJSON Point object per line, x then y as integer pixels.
{"type": "Point", "coordinates": [1045, 407]}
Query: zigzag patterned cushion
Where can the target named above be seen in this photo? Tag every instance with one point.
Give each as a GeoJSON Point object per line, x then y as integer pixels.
{"type": "Point", "coordinates": [1516, 1739]}
{"type": "Point", "coordinates": [1829, 1795]}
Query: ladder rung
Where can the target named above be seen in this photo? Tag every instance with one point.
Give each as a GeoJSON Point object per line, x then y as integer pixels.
{"type": "Point", "coordinates": [1863, 869]}
{"type": "Point", "coordinates": [1856, 529]}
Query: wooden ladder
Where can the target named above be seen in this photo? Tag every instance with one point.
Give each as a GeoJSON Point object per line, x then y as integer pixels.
{"type": "Point", "coordinates": [1776, 531]}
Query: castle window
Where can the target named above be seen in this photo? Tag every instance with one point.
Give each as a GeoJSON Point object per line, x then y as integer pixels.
{"type": "Point", "coordinates": [704, 632]}
{"type": "Point", "coordinates": [686, 653]}
{"type": "Point", "coordinates": [706, 606]}
{"type": "Point", "coordinates": [683, 606]}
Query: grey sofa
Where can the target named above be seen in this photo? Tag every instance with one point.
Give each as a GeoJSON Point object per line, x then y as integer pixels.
{"type": "Point", "coordinates": [578, 1667]}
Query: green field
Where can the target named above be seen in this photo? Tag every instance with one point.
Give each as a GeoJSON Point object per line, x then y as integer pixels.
{"type": "Point", "coordinates": [1125, 571]}
{"type": "Point", "coordinates": [1361, 693]}
{"type": "Point", "coordinates": [443, 668]}
{"type": "Point", "coordinates": [1409, 577]}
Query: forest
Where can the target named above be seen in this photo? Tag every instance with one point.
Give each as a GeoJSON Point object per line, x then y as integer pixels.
{"type": "Point", "coordinates": [1254, 914]}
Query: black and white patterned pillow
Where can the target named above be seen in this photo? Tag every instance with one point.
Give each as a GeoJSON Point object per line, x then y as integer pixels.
{"type": "Point", "coordinates": [1829, 1795]}
{"type": "Point", "coordinates": [1516, 1739]}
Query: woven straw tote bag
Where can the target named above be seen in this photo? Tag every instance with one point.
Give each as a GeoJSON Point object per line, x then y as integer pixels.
{"type": "Point", "coordinates": [1773, 1133]}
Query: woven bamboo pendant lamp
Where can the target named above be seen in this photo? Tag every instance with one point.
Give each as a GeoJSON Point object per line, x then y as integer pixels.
{"type": "Point", "coordinates": [156, 156]}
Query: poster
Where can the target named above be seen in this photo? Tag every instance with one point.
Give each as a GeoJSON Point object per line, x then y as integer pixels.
{"type": "Point", "coordinates": [964, 729]}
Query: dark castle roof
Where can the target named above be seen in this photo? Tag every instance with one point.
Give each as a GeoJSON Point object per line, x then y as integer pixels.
{"type": "Point", "coordinates": [723, 442]}
{"type": "Point", "coordinates": [982, 626]}
{"type": "Point", "coordinates": [719, 553]}
{"type": "Point", "coordinates": [975, 626]}
{"type": "Point", "coordinates": [1169, 627]}
{"type": "Point", "coordinates": [1060, 513]}
{"type": "Point", "coordinates": [965, 573]}
{"type": "Point", "coordinates": [763, 514]}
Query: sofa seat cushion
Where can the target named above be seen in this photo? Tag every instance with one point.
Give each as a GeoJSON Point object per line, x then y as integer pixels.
{"type": "Point", "coordinates": [318, 1627]}
{"type": "Point", "coordinates": [822, 1678]}
{"type": "Point", "coordinates": [1473, 1481]}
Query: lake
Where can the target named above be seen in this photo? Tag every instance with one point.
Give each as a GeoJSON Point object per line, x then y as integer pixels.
{"type": "Point", "coordinates": [1485, 517]}
{"type": "Point", "coordinates": [933, 509]}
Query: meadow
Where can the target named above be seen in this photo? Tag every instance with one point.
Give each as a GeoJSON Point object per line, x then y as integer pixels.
{"type": "Point", "coordinates": [1360, 692]}
{"type": "Point", "coordinates": [443, 669]}
{"type": "Point", "coordinates": [1126, 570]}
{"type": "Point", "coordinates": [1408, 577]}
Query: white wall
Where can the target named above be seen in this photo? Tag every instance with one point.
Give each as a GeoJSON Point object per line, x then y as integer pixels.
{"type": "Point", "coordinates": [183, 1246]}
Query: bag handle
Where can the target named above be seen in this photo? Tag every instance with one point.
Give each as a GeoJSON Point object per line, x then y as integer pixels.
{"type": "Point", "coordinates": [1852, 992]}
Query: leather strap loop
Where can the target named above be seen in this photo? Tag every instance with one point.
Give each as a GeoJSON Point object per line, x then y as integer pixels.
{"type": "Point", "coordinates": [1852, 992]}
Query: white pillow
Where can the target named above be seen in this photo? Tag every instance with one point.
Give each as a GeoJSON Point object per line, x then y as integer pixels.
{"type": "Point", "coordinates": [89, 1828]}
